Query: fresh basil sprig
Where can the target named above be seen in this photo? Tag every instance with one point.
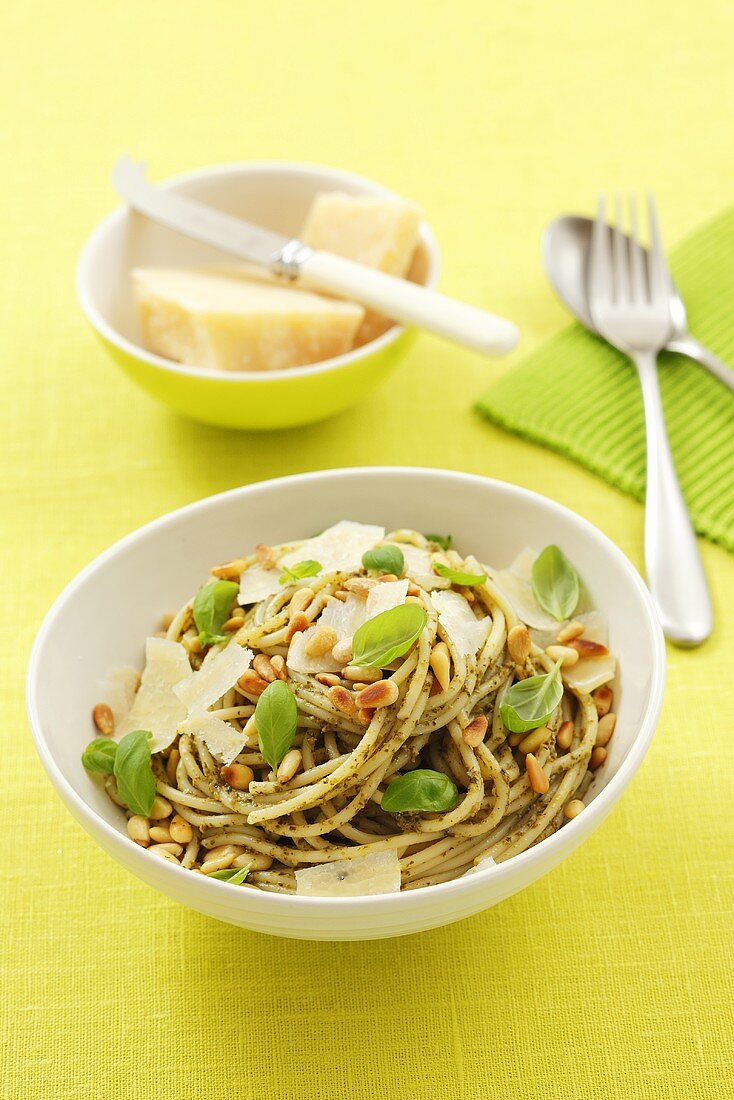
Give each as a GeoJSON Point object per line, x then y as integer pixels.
{"type": "Point", "coordinates": [387, 636]}
{"type": "Point", "coordinates": [234, 875]}
{"type": "Point", "coordinates": [132, 770]}
{"type": "Point", "coordinates": [385, 559]}
{"type": "Point", "coordinates": [420, 790]}
{"type": "Point", "coordinates": [555, 583]}
{"type": "Point", "coordinates": [530, 703]}
{"type": "Point", "coordinates": [276, 719]}
{"type": "Point", "coordinates": [211, 610]}
{"type": "Point", "coordinates": [99, 755]}
{"type": "Point", "coordinates": [456, 576]}
{"type": "Point", "coordinates": [300, 570]}
{"type": "Point", "coordinates": [444, 541]}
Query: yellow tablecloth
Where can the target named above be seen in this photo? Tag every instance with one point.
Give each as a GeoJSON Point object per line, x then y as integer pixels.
{"type": "Point", "coordinates": [612, 976]}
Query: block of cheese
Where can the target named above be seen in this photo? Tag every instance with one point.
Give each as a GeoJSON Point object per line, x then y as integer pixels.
{"type": "Point", "coordinates": [377, 232]}
{"type": "Point", "coordinates": [234, 320]}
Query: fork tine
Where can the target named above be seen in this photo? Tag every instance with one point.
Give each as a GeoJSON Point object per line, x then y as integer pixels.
{"type": "Point", "coordinates": [620, 262]}
{"type": "Point", "coordinates": [657, 267]}
{"type": "Point", "coordinates": [637, 261]}
{"type": "Point", "coordinates": [600, 283]}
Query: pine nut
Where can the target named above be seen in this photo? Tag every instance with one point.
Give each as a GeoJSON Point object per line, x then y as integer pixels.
{"type": "Point", "coordinates": [160, 834]}
{"type": "Point", "coordinates": [321, 642]}
{"type": "Point", "coordinates": [138, 830]}
{"type": "Point", "coordinates": [239, 776]}
{"type": "Point", "coordinates": [265, 555]}
{"type": "Point", "coordinates": [263, 667]}
{"type": "Point", "coordinates": [359, 687]}
{"type": "Point", "coordinates": [297, 625]}
{"type": "Point", "coordinates": [514, 739]}
{"type": "Point", "coordinates": [110, 786]}
{"type": "Point", "coordinates": [256, 861]}
{"type": "Point", "coordinates": [570, 631]}
{"type": "Point", "coordinates": [585, 648]}
{"type": "Point", "coordinates": [232, 624]}
{"type": "Point", "coordinates": [360, 585]}
{"type": "Point", "coordinates": [563, 653]}
{"type": "Point", "coordinates": [467, 593]}
{"type": "Point", "coordinates": [598, 756]}
{"type": "Point", "coordinates": [474, 733]}
{"type": "Point", "coordinates": [250, 731]}
{"type": "Point", "coordinates": [342, 651]}
{"type": "Point", "coordinates": [277, 664]}
{"type": "Point", "coordinates": [564, 737]}
{"type": "Point", "coordinates": [532, 741]}
{"type": "Point", "coordinates": [387, 578]}
{"type": "Point", "coordinates": [413, 590]}
{"type": "Point", "coordinates": [573, 808]}
{"type": "Point", "coordinates": [328, 679]}
{"type": "Point", "coordinates": [174, 849]}
{"type": "Point", "coordinates": [603, 699]}
{"type": "Point", "coordinates": [216, 859]}
{"type": "Point", "coordinates": [161, 808]}
{"type": "Point", "coordinates": [230, 570]}
{"type": "Point", "coordinates": [104, 719]}
{"type": "Point", "coordinates": [341, 699]}
{"type": "Point", "coordinates": [299, 601]}
{"type": "Point", "coordinates": [441, 664]}
{"type": "Point", "coordinates": [519, 643]}
{"type": "Point", "coordinates": [180, 829]}
{"type": "Point", "coordinates": [364, 717]}
{"type": "Point", "coordinates": [605, 729]}
{"type": "Point", "coordinates": [193, 645]}
{"type": "Point", "coordinates": [414, 599]}
{"type": "Point", "coordinates": [289, 765]}
{"type": "Point", "coordinates": [250, 683]}
{"type": "Point", "coordinates": [171, 764]}
{"type": "Point", "coordinates": [539, 781]}
{"type": "Point", "coordinates": [435, 688]}
{"type": "Point", "coordinates": [381, 694]}
{"type": "Point", "coordinates": [161, 851]}
{"type": "Point", "coordinates": [355, 673]}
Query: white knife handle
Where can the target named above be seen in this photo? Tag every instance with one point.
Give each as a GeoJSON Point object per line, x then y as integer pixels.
{"type": "Point", "coordinates": [407, 303]}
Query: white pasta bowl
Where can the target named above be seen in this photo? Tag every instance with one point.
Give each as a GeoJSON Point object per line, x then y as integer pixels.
{"type": "Point", "coordinates": [101, 619]}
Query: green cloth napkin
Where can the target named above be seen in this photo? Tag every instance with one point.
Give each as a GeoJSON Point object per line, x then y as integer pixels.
{"type": "Point", "coordinates": [581, 397]}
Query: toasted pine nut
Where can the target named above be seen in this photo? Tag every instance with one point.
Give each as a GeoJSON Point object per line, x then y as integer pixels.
{"type": "Point", "coordinates": [265, 555]}
{"type": "Point", "coordinates": [171, 764]}
{"type": "Point", "coordinates": [364, 717]}
{"type": "Point", "coordinates": [110, 785]}
{"type": "Point", "coordinates": [329, 679]}
{"type": "Point", "coordinates": [387, 577]}
{"type": "Point", "coordinates": [161, 808]}
{"type": "Point", "coordinates": [381, 694]}
{"type": "Point", "coordinates": [602, 699]}
{"type": "Point", "coordinates": [563, 653]}
{"type": "Point", "coordinates": [435, 688]}
{"type": "Point", "coordinates": [180, 829]}
{"type": "Point", "coordinates": [193, 645]}
{"type": "Point", "coordinates": [414, 599]}
{"type": "Point", "coordinates": [158, 849]}
{"type": "Point", "coordinates": [532, 741]}
{"type": "Point", "coordinates": [256, 861]}
{"type": "Point", "coordinates": [570, 631]}
{"type": "Point", "coordinates": [413, 590]}
{"type": "Point", "coordinates": [573, 808]}
{"type": "Point", "coordinates": [360, 585]}
{"type": "Point", "coordinates": [342, 699]}
{"type": "Point", "coordinates": [239, 776]}
{"type": "Point", "coordinates": [104, 719]}
{"type": "Point", "coordinates": [605, 729]}
{"type": "Point", "coordinates": [216, 859]}
{"type": "Point", "coordinates": [564, 737]}
{"type": "Point", "coordinates": [585, 648]}
{"type": "Point", "coordinates": [341, 596]}
{"type": "Point", "coordinates": [598, 756]}
{"type": "Point", "coordinates": [160, 834]}
{"type": "Point", "coordinates": [250, 731]}
{"type": "Point", "coordinates": [322, 641]}
{"type": "Point", "coordinates": [539, 781]}
{"type": "Point", "coordinates": [161, 851]}
{"type": "Point", "coordinates": [355, 673]}
{"type": "Point", "coordinates": [467, 593]}
{"type": "Point", "coordinates": [233, 623]}
{"type": "Point", "coordinates": [514, 739]}
{"type": "Point", "coordinates": [519, 643]}
{"type": "Point", "coordinates": [263, 667]}
{"type": "Point", "coordinates": [229, 570]}
{"type": "Point", "coordinates": [277, 663]}
{"type": "Point", "coordinates": [359, 687]}
{"type": "Point", "coordinates": [342, 651]}
{"type": "Point", "coordinates": [297, 625]}
{"type": "Point", "coordinates": [289, 765]}
{"type": "Point", "coordinates": [300, 600]}
{"type": "Point", "coordinates": [441, 664]}
{"type": "Point", "coordinates": [250, 683]}
{"type": "Point", "coordinates": [474, 733]}
{"type": "Point", "coordinates": [138, 828]}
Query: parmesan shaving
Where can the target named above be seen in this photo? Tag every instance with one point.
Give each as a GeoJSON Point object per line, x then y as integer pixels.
{"type": "Point", "coordinates": [417, 560]}
{"type": "Point", "coordinates": [118, 691]}
{"type": "Point", "coordinates": [214, 679]}
{"type": "Point", "coordinates": [221, 738]}
{"type": "Point", "coordinates": [466, 632]}
{"type": "Point", "coordinates": [374, 873]}
{"type": "Point", "coordinates": [156, 708]}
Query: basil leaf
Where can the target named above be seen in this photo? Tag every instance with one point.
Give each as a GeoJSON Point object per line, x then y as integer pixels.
{"type": "Point", "coordinates": [530, 703]}
{"type": "Point", "coordinates": [385, 559]}
{"type": "Point", "coordinates": [555, 583]}
{"type": "Point", "coordinates": [234, 875]}
{"type": "Point", "coordinates": [300, 570]}
{"type": "Point", "coordinates": [99, 755]}
{"type": "Point", "coordinates": [135, 779]}
{"type": "Point", "coordinates": [457, 577]}
{"type": "Point", "coordinates": [276, 718]}
{"type": "Point", "coordinates": [444, 541]}
{"type": "Point", "coordinates": [211, 610]}
{"type": "Point", "coordinates": [423, 790]}
{"type": "Point", "coordinates": [387, 636]}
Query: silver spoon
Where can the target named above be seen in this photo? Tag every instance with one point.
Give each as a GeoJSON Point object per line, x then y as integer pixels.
{"type": "Point", "coordinates": [565, 251]}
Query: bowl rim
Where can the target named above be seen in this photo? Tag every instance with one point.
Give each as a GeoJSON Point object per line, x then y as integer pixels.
{"type": "Point", "coordinates": [541, 853]}
{"type": "Point", "coordinates": [96, 240]}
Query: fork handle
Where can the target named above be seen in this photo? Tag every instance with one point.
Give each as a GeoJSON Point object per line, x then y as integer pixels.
{"type": "Point", "coordinates": [674, 570]}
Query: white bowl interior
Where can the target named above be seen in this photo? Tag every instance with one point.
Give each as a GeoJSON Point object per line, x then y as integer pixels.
{"type": "Point", "coordinates": [102, 619]}
{"type": "Point", "coordinates": [275, 196]}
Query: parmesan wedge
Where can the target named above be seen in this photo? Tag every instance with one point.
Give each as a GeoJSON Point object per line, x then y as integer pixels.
{"type": "Point", "coordinates": [465, 631]}
{"type": "Point", "coordinates": [156, 707]}
{"type": "Point", "coordinates": [417, 560]}
{"type": "Point", "coordinates": [118, 691]}
{"type": "Point", "coordinates": [215, 677]}
{"type": "Point", "coordinates": [374, 873]}
{"type": "Point", "coordinates": [221, 738]}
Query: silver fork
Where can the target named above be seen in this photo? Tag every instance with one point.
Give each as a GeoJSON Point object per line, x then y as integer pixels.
{"type": "Point", "coordinates": [629, 299]}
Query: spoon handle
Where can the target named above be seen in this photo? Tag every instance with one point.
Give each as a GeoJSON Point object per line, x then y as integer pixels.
{"type": "Point", "coordinates": [674, 570]}
{"type": "Point", "coordinates": [694, 349]}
